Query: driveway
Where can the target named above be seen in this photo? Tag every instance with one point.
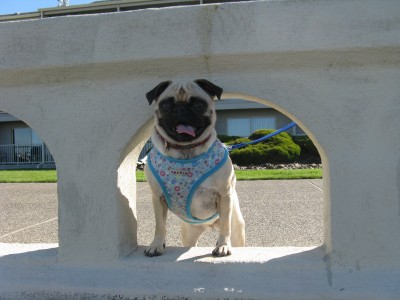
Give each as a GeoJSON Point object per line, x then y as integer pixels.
{"type": "Point", "coordinates": [277, 213]}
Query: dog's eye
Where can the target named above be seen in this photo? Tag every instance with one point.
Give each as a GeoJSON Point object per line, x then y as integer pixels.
{"type": "Point", "coordinates": [166, 104]}
{"type": "Point", "coordinates": [199, 105]}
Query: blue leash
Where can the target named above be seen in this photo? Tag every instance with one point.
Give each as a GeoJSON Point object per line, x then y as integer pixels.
{"type": "Point", "coordinates": [232, 147]}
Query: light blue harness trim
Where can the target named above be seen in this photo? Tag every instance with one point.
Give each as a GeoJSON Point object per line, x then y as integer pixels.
{"type": "Point", "coordinates": [204, 165]}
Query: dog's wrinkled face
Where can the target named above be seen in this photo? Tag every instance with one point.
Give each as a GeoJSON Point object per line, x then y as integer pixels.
{"type": "Point", "coordinates": [185, 111]}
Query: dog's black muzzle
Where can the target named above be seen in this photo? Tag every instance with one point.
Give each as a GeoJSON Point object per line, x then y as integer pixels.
{"type": "Point", "coordinates": [183, 123]}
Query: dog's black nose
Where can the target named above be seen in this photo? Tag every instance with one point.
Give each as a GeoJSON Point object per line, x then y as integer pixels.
{"type": "Point", "coordinates": [180, 110]}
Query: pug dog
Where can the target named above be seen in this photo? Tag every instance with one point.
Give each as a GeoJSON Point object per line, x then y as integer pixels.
{"type": "Point", "coordinates": [189, 171]}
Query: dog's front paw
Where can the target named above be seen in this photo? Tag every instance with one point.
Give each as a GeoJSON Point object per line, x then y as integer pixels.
{"type": "Point", "coordinates": [223, 250]}
{"type": "Point", "coordinates": [154, 250]}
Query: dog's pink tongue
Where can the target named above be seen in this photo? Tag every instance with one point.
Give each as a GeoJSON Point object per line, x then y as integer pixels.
{"type": "Point", "coordinates": [185, 129]}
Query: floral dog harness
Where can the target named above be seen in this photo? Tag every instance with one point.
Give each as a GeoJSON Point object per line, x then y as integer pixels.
{"type": "Point", "coordinates": [179, 178]}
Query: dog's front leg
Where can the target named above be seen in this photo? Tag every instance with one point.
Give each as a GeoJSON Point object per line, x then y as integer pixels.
{"type": "Point", "coordinates": [160, 210]}
{"type": "Point", "coordinates": [225, 215]}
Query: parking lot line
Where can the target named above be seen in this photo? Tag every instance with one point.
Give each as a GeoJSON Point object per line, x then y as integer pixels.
{"type": "Point", "coordinates": [317, 186]}
{"type": "Point", "coordinates": [28, 227]}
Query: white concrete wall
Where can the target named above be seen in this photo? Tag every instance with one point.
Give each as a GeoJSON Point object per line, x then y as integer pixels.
{"type": "Point", "coordinates": [332, 66]}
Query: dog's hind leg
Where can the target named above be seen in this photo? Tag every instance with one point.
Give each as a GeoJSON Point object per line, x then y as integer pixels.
{"type": "Point", "coordinates": [238, 237]}
{"type": "Point", "coordinates": [191, 233]}
{"type": "Point", "coordinates": [238, 225]}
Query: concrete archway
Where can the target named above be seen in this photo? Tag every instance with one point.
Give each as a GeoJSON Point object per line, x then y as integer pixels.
{"type": "Point", "coordinates": [173, 237]}
{"type": "Point", "coordinates": [126, 171]}
{"type": "Point", "coordinates": [324, 159]}
{"type": "Point", "coordinates": [33, 208]}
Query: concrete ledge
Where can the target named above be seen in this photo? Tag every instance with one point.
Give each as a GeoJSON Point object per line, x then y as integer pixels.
{"type": "Point", "coordinates": [199, 32]}
{"type": "Point", "coordinates": [32, 271]}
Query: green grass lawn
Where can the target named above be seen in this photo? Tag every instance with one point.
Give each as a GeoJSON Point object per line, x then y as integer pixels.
{"type": "Point", "coordinates": [18, 176]}
{"type": "Point", "coordinates": [278, 174]}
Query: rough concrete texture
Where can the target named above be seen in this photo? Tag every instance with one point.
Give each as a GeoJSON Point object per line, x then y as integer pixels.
{"type": "Point", "coordinates": [32, 272]}
{"type": "Point", "coordinates": [331, 66]}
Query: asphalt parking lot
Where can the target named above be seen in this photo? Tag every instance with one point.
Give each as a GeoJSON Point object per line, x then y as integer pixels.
{"type": "Point", "coordinates": [277, 213]}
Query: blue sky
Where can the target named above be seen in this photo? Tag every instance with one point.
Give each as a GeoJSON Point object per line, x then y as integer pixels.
{"type": "Point", "coordinates": [14, 6]}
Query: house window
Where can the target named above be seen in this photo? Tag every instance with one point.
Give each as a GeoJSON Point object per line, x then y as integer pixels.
{"type": "Point", "coordinates": [239, 127]}
{"type": "Point", "coordinates": [25, 136]}
{"type": "Point", "coordinates": [245, 126]}
{"type": "Point", "coordinates": [262, 123]}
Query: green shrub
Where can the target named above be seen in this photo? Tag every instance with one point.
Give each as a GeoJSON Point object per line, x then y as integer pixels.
{"type": "Point", "coordinates": [306, 145]}
{"type": "Point", "coordinates": [227, 138]}
{"type": "Point", "coordinates": [238, 141]}
{"type": "Point", "coordinates": [278, 149]}
{"type": "Point", "coordinates": [278, 139]}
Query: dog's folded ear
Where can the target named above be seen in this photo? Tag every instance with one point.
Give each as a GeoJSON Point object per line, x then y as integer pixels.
{"type": "Point", "coordinates": [157, 91]}
{"type": "Point", "coordinates": [210, 88]}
